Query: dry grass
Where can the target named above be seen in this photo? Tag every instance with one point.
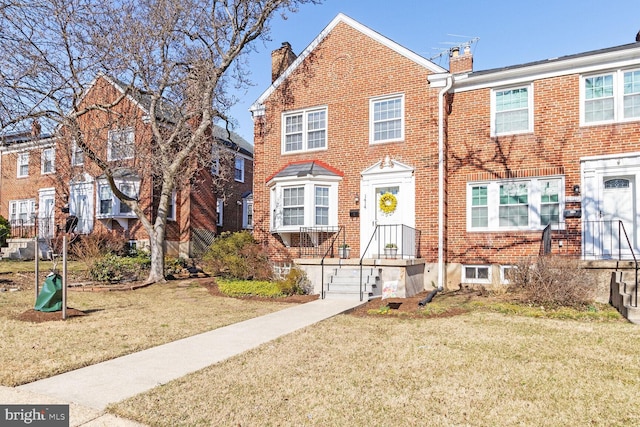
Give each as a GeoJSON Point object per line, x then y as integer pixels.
{"type": "Point", "coordinates": [477, 369]}
{"type": "Point", "coordinates": [117, 323]}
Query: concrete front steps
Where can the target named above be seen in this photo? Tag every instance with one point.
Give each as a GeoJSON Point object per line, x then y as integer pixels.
{"type": "Point", "coordinates": [623, 295]}
{"type": "Point", "coordinates": [25, 249]}
{"type": "Point", "coordinates": [344, 283]}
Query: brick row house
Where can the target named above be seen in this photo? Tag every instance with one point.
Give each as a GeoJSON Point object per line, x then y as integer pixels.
{"type": "Point", "coordinates": [48, 183]}
{"type": "Point", "coordinates": [361, 141]}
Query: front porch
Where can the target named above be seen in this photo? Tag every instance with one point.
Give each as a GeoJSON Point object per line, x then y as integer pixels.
{"type": "Point", "coordinates": [366, 278]}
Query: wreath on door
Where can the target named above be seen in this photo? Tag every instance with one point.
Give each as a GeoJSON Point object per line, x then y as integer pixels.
{"type": "Point", "coordinates": [388, 203]}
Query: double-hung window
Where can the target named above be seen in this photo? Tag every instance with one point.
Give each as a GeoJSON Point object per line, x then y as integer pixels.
{"type": "Point", "coordinates": [322, 205]}
{"type": "Point", "coordinates": [238, 172]}
{"type": "Point", "coordinates": [386, 116]}
{"type": "Point", "coordinates": [121, 144]}
{"type": "Point", "coordinates": [22, 212]}
{"type": "Point", "coordinates": [23, 165]}
{"type": "Point", "coordinates": [610, 97]}
{"type": "Point", "coordinates": [106, 199]}
{"type": "Point", "coordinates": [512, 111]}
{"type": "Point", "coordinates": [549, 202]}
{"type": "Point", "coordinates": [514, 204]}
{"type": "Point", "coordinates": [220, 212]}
{"type": "Point", "coordinates": [109, 206]}
{"type": "Point", "coordinates": [77, 155]}
{"type": "Point", "coordinates": [293, 206]}
{"type": "Point", "coordinates": [47, 161]}
{"type": "Point", "coordinates": [304, 130]}
{"type": "Point", "coordinates": [526, 204]}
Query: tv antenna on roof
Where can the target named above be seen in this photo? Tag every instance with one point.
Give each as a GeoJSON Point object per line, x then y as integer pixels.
{"type": "Point", "coordinates": [454, 46]}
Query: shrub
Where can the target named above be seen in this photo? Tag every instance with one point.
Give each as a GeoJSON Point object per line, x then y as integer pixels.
{"type": "Point", "coordinates": [237, 255]}
{"type": "Point", "coordinates": [295, 283]}
{"type": "Point", "coordinates": [88, 248]}
{"type": "Point", "coordinates": [235, 288]}
{"type": "Point", "coordinates": [5, 230]}
{"type": "Point", "coordinates": [115, 268]}
{"type": "Point", "coordinates": [553, 281]}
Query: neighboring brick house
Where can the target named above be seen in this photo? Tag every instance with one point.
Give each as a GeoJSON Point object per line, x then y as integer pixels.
{"type": "Point", "coordinates": [357, 135]}
{"type": "Point", "coordinates": [78, 188]}
{"type": "Point", "coordinates": [551, 143]}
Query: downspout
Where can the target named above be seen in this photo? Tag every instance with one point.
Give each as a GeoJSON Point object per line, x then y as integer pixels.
{"type": "Point", "coordinates": [441, 179]}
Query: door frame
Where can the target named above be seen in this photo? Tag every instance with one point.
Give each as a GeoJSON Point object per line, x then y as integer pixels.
{"type": "Point", "coordinates": [595, 171]}
{"type": "Point", "coordinates": [385, 173]}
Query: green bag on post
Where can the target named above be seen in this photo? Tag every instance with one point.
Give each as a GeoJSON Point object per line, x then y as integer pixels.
{"type": "Point", "coordinates": [50, 296]}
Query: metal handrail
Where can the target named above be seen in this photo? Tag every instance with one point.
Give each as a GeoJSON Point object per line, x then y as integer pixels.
{"type": "Point", "coordinates": [621, 230]}
{"type": "Point", "coordinates": [408, 235]}
{"type": "Point", "coordinates": [341, 231]}
{"type": "Point", "coordinates": [600, 249]}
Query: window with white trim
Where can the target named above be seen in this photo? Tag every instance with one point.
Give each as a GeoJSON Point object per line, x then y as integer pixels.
{"type": "Point", "coordinates": [23, 165]}
{"type": "Point", "coordinates": [386, 117]}
{"type": "Point", "coordinates": [171, 209]}
{"type": "Point", "coordinates": [304, 130]}
{"type": "Point", "coordinates": [121, 144]}
{"type": "Point", "coordinates": [109, 206]}
{"type": "Point", "coordinates": [22, 212]}
{"type": "Point", "coordinates": [512, 110]}
{"type": "Point", "coordinates": [304, 202]}
{"type": "Point", "coordinates": [77, 155]}
{"type": "Point", "coordinates": [47, 161]}
{"type": "Point", "coordinates": [526, 204]}
{"type": "Point", "coordinates": [322, 205]}
{"type": "Point", "coordinates": [610, 97]}
{"type": "Point", "coordinates": [248, 214]}
{"type": "Point", "coordinates": [293, 206]}
{"type": "Point", "coordinates": [238, 172]}
{"type": "Point", "coordinates": [476, 274]}
{"type": "Point", "coordinates": [219, 212]}
{"type": "Point", "coordinates": [506, 273]}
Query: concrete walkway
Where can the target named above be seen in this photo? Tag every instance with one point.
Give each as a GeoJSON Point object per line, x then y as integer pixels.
{"type": "Point", "coordinates": [89, 390]}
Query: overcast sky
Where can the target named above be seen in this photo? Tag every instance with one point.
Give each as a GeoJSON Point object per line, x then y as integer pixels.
{"type": "Point", "coordinates": [510, 32]}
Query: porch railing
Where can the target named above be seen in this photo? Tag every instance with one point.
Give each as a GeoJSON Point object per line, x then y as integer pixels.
{"type": "Point", "coordinates": [599, 240]}
{"type": "Point", "coordinates": [313, 242]}
{"type": "Point", "coordinates": [405, 238]}
{"type": "Point", "coordinates": [340, 236]}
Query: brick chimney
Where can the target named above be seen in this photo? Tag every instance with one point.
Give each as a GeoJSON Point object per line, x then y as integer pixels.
{"type": "Point", "coordinates": [280, 60]}
{"type": "Point", "coordinates": [459, 64]}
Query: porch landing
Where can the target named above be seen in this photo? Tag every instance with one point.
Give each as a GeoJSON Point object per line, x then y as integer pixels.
{"type": "Point", "coordinates": [340, 278]}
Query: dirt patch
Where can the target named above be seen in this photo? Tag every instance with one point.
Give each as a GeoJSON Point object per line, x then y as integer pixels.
{"type": "Point", "coordinates": [450, 304]}
{"type": "Point", "coordinates": [36, 316]}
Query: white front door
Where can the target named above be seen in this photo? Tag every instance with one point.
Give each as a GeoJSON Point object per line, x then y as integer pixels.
{"type": "Point", "coordinates": [387, 208]}
{"type": "Point", "coordinates": [46, 204]}
{"type": "Point", "coordinates": [618, 206]}
{"type": "Point", "coordinates": [81, 206]}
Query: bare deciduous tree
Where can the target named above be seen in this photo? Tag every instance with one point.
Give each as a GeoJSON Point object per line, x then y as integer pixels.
{"type": "Point", "coordinates": [178, 58]}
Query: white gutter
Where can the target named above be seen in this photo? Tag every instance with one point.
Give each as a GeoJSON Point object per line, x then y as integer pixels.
{"type": "Point", "coordinates": [441, 177]}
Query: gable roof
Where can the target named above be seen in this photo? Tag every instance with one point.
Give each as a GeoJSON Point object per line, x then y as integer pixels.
{"type": "Point", "coordinates": [167, 113]}
{"type": "Point", "coordinates": [341, 18]}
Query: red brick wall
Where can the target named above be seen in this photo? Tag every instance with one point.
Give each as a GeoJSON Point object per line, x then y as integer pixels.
{"type": "Point", "coordinates": [343, 73]}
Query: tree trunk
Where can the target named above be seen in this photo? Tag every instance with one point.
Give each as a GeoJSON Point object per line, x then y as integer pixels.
{"type": "Point", "coordinates": [156, 244]}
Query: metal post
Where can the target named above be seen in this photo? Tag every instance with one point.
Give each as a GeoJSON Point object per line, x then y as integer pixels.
{"type": "Point", "coordinates": [37, 268]}
{"type": "Point", "coordinates": [64, 277]}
